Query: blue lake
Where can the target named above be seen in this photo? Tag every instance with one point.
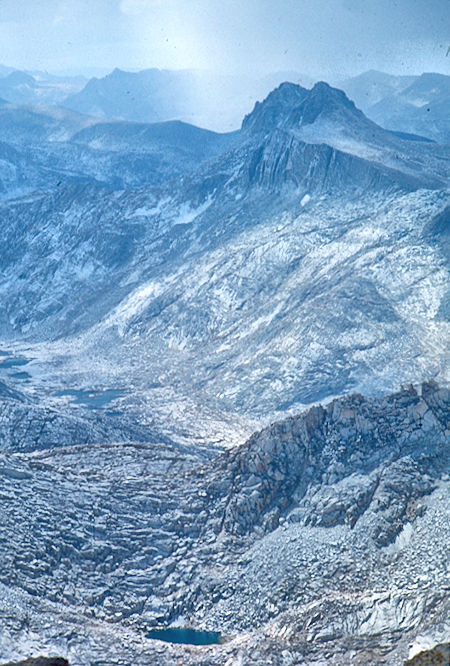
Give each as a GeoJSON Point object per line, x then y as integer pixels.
{"type": "Point", "coordinates": [185, 636]}
{"type": "Point", "coordinates": [20, 375]}
{"type": "Point", "coordinates": [13, 361]}
{"type": "Point", "coordinates": [92, 399]}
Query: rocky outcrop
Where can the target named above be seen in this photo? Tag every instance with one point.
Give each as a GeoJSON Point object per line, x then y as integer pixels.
{"type": "Point", "coordinates": [439, 655]}
{"type": "Point", "coordinates": [27, 425]}
{"type": "Point", "coordinates": [331, 465]}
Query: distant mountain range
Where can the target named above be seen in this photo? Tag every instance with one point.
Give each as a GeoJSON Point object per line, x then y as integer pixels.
{"type": "Point", "coordinates": [213, 101]}
{"type": "Point", "coordinates": [371, 87]}
{"type": "Point", "coordinates": [19, 87]}
{"type": "Point", "coordinates": [416, 104]}
{"type": "Point", "coordinates": [148, 96]}
{"type": "Point", "coordinates": [409, 104]}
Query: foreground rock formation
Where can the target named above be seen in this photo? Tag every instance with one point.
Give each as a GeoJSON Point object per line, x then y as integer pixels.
{"type": "Point", "coordinates": [439, 655]}
{"type": "Point", "coordinates": [325, 536]}
{"type": "Point", "coordinates": [40, 661]}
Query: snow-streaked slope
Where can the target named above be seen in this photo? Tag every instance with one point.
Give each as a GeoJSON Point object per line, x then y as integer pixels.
{"type": "Point", "coordinates": [285, 270]}
{"type": "Point", "coordinates": [319, 300]}
{"type": "Point", "coordinates": [309, 304]}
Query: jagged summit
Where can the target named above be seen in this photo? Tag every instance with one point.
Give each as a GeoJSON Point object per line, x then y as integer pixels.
{"type": "Point", "coordinates": [273, 110]}
{"type": "Point", "coordinates": [290, 106]}
{"type": "Point", "coordinates": [324, 97]}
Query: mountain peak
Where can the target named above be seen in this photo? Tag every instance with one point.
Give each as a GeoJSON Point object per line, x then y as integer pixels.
{"type": "Point", "coordinates": [429, 83]}
{"type": "Point", "coordinates": [273, 110]}
{"type": "Point", "coordinates": [290, 105]}
{"type": "Point", "coordinates": [20, 78]}
{"type": "Point", "coordinates": [325, 95]}
{"type": "Point", "coordinates": [322, 99]}
{"type": "Point", "coordinates": [286, 92]}
{"type": "Point", "coordinates": [116, 73]}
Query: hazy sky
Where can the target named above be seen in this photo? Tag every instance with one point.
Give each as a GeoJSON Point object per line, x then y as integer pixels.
{"type": "Point", "coordinates": [323, 38]}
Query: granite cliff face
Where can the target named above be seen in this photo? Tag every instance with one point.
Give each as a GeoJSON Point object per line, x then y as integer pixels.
{"type": "Point", "coordinates": [322, 469]}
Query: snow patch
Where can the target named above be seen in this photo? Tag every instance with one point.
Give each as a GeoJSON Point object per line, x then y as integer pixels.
{"type": "Point", "coordinates": [306, 199]}
{"type": "Point", "coordinates": [146, 211]}
{"type": "Point", "coordinates": [402, 539]}
{"type": "Point", "coordinates": [132, 305]}
{"type": "Point", "coordinates": [186, 214]}
{"type": "Point", "coordinates": [422, 644]}
{"type": "Point", "coordinates": [418, 102]}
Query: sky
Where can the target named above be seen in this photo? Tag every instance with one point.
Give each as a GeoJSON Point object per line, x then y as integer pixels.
{"type": "Point", "coordinates": [328, 39]}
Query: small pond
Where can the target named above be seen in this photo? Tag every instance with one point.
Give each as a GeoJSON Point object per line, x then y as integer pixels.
{"type": "Point", "coordinates": [13, 361]}
{"type": "Point", "coordinates": [185, 636]}
{"type": "Point", "coordinates": [20, 375]}
{"type": "Point", "coordinates": [92, 399]}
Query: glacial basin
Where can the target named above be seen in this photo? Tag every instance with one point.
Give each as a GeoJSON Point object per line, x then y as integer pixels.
{"type": "Point", "coordinates": [185, 636]}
